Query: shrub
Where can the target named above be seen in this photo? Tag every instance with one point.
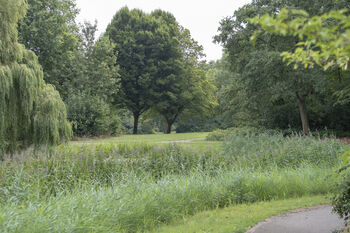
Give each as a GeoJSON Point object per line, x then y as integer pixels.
{"type": "Point", "coordinates": [217, 135]}
{"type": "Point", "coordinates": [341, 199]}
{"type": "Point", "coordinates": [221, 135]}
{"type": "Point", "coordinates": [92, 116]}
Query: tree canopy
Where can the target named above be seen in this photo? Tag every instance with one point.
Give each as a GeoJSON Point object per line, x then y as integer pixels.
{"type": "Point", "coordinates": [268, 85]}
{"type": "Point", "coordinates": [158, 62]}
{"type": "Point", "coordinates": [324, 39]}
{"type": "Point", "coordinates": [50, 31]}
{"type": "Point", "coordinates": [31, 111]}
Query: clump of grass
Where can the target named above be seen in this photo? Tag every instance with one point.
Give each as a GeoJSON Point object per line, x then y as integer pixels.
{"type": "Point", "coordinates": [265, 149]}
{"type": "Point", "coordinates": [140, 204]}
{"type": "Point", "coordinates": [222, 135]}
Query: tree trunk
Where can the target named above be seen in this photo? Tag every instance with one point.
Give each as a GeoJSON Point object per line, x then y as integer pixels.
{"type": "Point", "coordinates": [136, 122]}
{"type": "Point", "coordinates": [303, 113]}
{"type": "Point", "coordinates": [168, 127]}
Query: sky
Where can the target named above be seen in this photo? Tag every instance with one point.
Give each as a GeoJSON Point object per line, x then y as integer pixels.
{"type": "Point", "coordinates": [201, 17]}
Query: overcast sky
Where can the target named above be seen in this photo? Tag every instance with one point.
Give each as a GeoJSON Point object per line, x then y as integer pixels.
{"type": "Point", "coordinates": [200, 17]}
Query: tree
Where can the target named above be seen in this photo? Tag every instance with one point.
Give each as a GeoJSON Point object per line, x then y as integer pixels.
{"type": "Point", "coordinates": [324, 39]}
{"type": "Point", "coordinates": [49, 30]}
{"type": "Point", "coordinates": [149, 57]}
{"type": "Point", "coordinates": [31, 111]}
{"type": "Point", "coordinates": [231, 110]}
{"type": "Point", "coordinates": [182, 86]}
{"type": "Point", "coordinates": [269, 85]}
{"type": "Point", "coordinates": [90, 94]}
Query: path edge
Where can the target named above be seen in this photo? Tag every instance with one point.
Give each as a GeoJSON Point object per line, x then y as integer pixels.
{"type": "Point", "coordinates": [270, 219]}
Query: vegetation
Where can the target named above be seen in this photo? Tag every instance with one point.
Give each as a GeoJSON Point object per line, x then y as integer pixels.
{"type": "Point", "coordinates": [158, 65]}
{"type": "Point", "coordinates": [143, 186]}
{"type": "Point", "coordinates": [238, 218]}
{"type": "Point", "coordinates": [31, 111]}
{"type": "Point", "coordinates": [323, 41]}
{"type": "Point", "coordinates": [266, 91]}
{"type": "Point", "coordinates": [326, 36]}
{"type": "Point", "coordinates": [145, 74]}
{"type": "Point", "coordinates": [49, 30]}
{"type": "Point", "coordinates": [143, 139]}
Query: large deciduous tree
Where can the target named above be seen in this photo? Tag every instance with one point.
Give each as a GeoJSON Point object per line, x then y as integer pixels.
{"type": "Point", "coordinates": [182, 85]}
{"type": "Point", "coordinates": [49, 30]}
{"type": "Point", "coordinates": [158, 65]}
{"type": "Point", "coordinates": [137, 45]}
{"type": "Point", "coordinates": [31, 111]}
{"type": "Point", "coordinates": [267, 81]}
{"type": "Point", "coordinates": [324, 41]}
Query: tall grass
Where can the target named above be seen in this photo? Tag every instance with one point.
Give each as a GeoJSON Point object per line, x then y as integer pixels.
{"type": "Point", "coordinates": [291, 151]}
{"type": "Point", "coordinates": [139, 204]}
{"type": "Point", "coordinates": [46, 173]}
{"type": "Point", "coordinates": [132, 188]}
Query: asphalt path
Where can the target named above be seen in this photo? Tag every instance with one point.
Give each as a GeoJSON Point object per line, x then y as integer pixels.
{"type": "Point", "coordinates": [318, 219]}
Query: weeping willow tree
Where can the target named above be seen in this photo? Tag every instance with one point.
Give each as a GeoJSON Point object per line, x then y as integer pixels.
{"type": "Point", "coordinates": [31, 111]}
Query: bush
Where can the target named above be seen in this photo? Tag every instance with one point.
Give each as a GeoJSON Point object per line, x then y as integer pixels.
{"type": "Point", "coordinates": [341, 199]}
{"type": "Point", "coordinates": [92, 116]}
{"type": "Point", "coordinates": [221, 135]}
{"type": "Point", "coordinates": [217, 135]}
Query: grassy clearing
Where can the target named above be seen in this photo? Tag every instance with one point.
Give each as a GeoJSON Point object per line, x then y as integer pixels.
{"type": "Point", "coordinates": [237, 219]}
{"type": "Point", "coordinates": [144, 139]}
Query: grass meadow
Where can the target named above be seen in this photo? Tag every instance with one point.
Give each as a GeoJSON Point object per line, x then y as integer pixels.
{"type": "Point", "coordinates": [138, 184]}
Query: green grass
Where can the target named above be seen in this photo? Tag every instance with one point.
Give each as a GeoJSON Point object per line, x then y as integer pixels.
{"type": "Point", "coordinates": [135, 186]}
{"type": "Point", "coordinates": [141, 204]}
{"type": "Point", "coordinates": [203, 146]}
{"type": "Point", "coordinates": [237, 219]}
{"type": "Point", "coordinates": [264, 149]}
{"type": "Point", "coordinates": [143, 139]}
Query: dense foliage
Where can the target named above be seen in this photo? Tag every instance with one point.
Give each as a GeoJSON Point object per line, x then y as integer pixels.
{"type": "Point", "coordinates": [263, 90]}
{"type": "Point", "coordinates": [326, 37]}
{"type": "Point", "coordinates": [158, 62]}
{"type": "Point", "coordinates": [49, 30]}
{"type": "Point", "coordinates": [323, 41]}
{"type": "Point", "coordinates": [31, 111]}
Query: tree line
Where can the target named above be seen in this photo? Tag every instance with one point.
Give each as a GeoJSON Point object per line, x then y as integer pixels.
{"type": "Point", "coordinates": [146, 73]}
{"type": "Point", "coordinates": [268, 90]}
{"type": "Point", "coordinates": [142, 64]}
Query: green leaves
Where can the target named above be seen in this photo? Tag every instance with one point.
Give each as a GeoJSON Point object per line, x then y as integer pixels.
{"type": "Point", "coordinates": [32, 112]}
{"type": "Point", "coordinates": [346, 158]}
{"type": "Point", "coordinates": [49, 30]}
{"type": "Point", "coordinates": [325, 38]}
{"type": "Point", "coordinates": [158, 62]}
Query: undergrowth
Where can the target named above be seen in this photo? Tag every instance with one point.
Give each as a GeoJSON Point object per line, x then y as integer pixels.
{"type": "Point", "coordinates": [133, 188]}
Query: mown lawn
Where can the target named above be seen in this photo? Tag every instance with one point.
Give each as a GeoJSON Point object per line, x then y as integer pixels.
{"type": "Point", "coordinates": [159, 139]}
{"type": "Point", "coordinates": [148, 138]}
{"type": "Point", "coordinates": [237, 219]}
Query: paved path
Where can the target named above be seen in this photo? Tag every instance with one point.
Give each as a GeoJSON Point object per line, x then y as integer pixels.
{"type": "Point", "coordinates": [185, 141]}
{"type": "Point", "coordinates": [317, 219]}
